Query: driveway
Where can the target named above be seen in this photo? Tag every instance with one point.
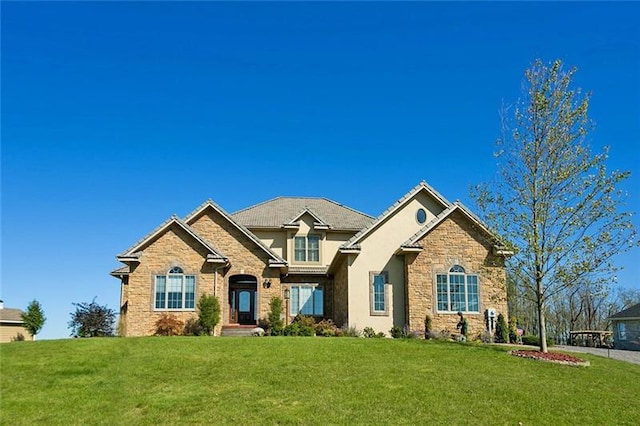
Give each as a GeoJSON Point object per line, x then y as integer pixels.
{"type": "Point", "coordinates": [628, 356]}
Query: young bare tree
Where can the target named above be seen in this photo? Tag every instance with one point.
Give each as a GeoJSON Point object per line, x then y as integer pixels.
{"type": "Point", "coordinates": [554, 200]}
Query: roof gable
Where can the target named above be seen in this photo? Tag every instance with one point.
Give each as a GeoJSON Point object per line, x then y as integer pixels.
{"type": "Point", "coordinates": [274, 259]}
{"type": "Point", "coordinates": [413, 242]}
{"type": "Point", "coordinates": [352, 244]}
{"type": "Point", "coordinates": [133, 252]}
{"type": "Point", "coordinates": [318, 223]}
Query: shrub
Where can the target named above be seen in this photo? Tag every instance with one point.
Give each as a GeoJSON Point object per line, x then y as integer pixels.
{"type": "Point", "coordinates": [401, 332]}
{"type": "Point", "coordinates": [350, 332]}
{"type": "Point", "coordinates": [326, 328]}
{"type": "Point", "coordinates": [370, 333]}
{"type": "Point", "coordinates": [192, 327]}
{"type": "Point", "coordinates": [301, 326]}
{"type": "Point", "coordinates": [19, 338]}
{"type": "Point", "coordinates": [427, 327]}
{"type": "Point", "coordinates": [92, 320]}
{"type": "Point", "coordinates": [535, 340]}
{"type": "Point", "coordinates": [502, 332]}
{"type": "Point", "coordinates": [486, 337]}
{"type": "Point", "coordinates": [274, 317]}
{"type": "Point", "coordinates": [513, 330]}
{"type": "Point", "coordinates": [169, 325]}
{"type": "Point", "coordinates": [208, 313]}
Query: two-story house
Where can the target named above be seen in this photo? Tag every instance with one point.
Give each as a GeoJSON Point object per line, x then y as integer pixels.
{"type": "Point", "coordinates": [422, 256]}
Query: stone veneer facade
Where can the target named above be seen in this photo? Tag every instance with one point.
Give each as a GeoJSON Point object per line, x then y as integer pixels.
{"type": "Point", "coordinates": [175, 247]}
{"type": "Point", "coordinates": [455, 241]}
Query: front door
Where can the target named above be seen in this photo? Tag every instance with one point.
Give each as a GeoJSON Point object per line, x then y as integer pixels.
{"type": "Point", "coordinates": [242, 299]}
{"type": "Point", "coordinates": [243, 303]}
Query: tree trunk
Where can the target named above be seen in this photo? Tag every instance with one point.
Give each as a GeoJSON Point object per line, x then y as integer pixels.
{"type": "Point", "coordinates": [542, 329]}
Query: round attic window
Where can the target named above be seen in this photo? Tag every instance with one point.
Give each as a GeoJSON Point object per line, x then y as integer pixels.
{"type": "Point", "coordinates": [421, 216]}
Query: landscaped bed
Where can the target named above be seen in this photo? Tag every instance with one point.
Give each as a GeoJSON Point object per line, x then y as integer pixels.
{"type": "Point", "coordinates": [556, 357]}
{"type": "Point", "coordinates": [303, 380]}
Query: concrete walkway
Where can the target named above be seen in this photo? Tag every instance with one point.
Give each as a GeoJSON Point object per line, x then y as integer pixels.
{"type": "Point", "coordinates": [628, 356]}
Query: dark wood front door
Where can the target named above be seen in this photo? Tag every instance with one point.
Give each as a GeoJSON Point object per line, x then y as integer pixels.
{"type": "Point", "coordinates": [243, 302]}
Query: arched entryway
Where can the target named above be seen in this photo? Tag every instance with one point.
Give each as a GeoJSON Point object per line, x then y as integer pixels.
{"type": "Point", "coordinates": [243, 291]}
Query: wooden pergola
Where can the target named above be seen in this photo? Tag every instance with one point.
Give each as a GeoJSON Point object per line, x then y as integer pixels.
{"type": "Point", "coordinates": [595, 338]}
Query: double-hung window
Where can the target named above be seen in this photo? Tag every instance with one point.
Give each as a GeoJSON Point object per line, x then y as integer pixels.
{"type": "Point", "coordinates": [457, 291]}
{"type": "Point", "coordinates": [306, 248]}
{"type": "Point", "coordinates": [378, 293]}
{"type": "Point", "coordinates": [306, 299]}
{"type": "Point", "coordinates": [175, 291]}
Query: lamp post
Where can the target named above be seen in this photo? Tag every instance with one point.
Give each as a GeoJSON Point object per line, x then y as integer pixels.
{"type": "Point", "coordinates": [287, 295]}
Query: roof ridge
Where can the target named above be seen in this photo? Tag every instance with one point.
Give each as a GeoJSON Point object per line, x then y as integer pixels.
{"type": "Point", "coordinates": [347, 207]}
{"type": "Point", "coordinates": [255, 205]}
{"type": "Point", "coordinates": [300, 197]}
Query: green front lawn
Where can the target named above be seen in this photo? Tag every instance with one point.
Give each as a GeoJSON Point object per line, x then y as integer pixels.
{"type": "Point", "coordinates": [180, 380]}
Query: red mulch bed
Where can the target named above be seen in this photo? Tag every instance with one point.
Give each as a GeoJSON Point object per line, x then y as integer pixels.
{"type": "Point", "coordinates": [557, 357]}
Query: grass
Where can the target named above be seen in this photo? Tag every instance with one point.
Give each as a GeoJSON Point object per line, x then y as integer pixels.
{"type": "Point", "coordinates": [199, 380]}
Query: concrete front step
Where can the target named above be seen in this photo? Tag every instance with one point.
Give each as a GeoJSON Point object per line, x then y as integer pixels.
{"type": "Point", "coordinates": [235, 331]}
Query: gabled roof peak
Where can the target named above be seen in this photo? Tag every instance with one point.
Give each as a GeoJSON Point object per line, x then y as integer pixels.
{"type": "Point", "coordinates": [133, 252]}
{"type": "Point", "coordinates": [274, 258]}
{"type": "Point", "coordinates": [422, 186]}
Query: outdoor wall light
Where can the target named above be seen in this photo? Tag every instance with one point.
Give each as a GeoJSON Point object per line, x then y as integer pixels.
{"type": "Point", "coordinates": [266, 284]}
{"type": "Point", "coordinates": [287, 293]}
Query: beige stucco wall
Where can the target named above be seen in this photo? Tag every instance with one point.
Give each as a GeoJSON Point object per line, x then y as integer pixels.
{"type": "Point", "coordinates": [9, 332]}
{"type": "Point", "coordinates": [455, 241]}
{"type": "Point", "coordinates": [378, 254]}
{"type": "Point", "coordinates": [276, 240]}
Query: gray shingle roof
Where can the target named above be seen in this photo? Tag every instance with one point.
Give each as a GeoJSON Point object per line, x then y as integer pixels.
{"type": "Point", "coordinates": [630, 312]}
{"type": "Point", "coordinates": [11, 315]}
{"type": "Point", "coordinates": [276, 212]}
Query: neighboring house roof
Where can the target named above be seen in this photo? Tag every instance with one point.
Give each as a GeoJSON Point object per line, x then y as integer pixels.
{"type": "Point", "coordinates": [422, 186]}
{"type": "Point", "coordinates": [274, 259]}
{"type": "Point", "coordinates": [280, 211]}
{"type": "Point", "coordinates": [133, 252]}
{"type": "Point", "coordinates": [413, 242]}
{"type": "Point", "coordinates": [11, 316]}
{"type": "Point", "coordinates": [632, 312]}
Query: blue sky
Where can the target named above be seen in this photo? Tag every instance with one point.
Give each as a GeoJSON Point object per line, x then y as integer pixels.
{"type": "Point", "coordinates": [117, 115]}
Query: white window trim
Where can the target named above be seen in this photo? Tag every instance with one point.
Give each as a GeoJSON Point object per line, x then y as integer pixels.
{"type": "Point", "coordinates": [448, 273]}
{"type": "Point", "coordinates": [314, 287]}
{"type": "Point", "coordinates": [372, 311]}
{"type": "Point", "coordinates": [306, 249]}
{"type": "Point", "coordinates": [166, 292]}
